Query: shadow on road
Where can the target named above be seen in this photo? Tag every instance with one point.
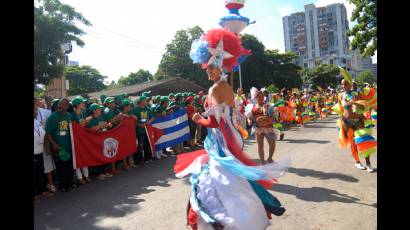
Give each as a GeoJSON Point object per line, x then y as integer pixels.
{"type": "Point", "coordinates": [317, 194]}
{"type": "Point", "coordinates": [320, 127]}
{"type": "Point", "coordinates": [302, 172]}
{"type": "Point", "coordinates": [304, 141]}
{"type": "Point", "coordinates": [89, 205]}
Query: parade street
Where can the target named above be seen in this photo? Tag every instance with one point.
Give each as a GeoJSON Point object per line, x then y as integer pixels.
{"type": "Point", "coordinates": [322, 190]}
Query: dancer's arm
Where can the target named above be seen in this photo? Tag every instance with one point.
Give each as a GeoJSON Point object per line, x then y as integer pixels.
{"type": "Point", "coordinates": [210, 122]}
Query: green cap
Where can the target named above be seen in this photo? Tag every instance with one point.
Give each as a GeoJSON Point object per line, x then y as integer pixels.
{"type": "Point", "coordinates": [126, 102]}
{"type": "Point", "coordinates": [95, 106]}
{"type": "Point", "coordinates": [178, 95]}
{"type": "Point", "coordinates": [108, 100]}
{"type": "Point", "coordinates": [77, 100]}
{"type": "Point", "coordinates": [184, 94]}
{"type": "Point", "coordinates": [55, 101]}
{"type": "Point", "coordinates": [103, 97]}
{"type": "Point", "coordinates": [191, 94]}
{"type": "Point", "coordinates": [196, 97]}
{"type": "Point", "coordinates": [164, 99]}
{"type": "Point", "coordinates": [141, 98]}
{"type": "Point", "coordinates": [171, 95]}
{"type": "Point", "coordinates": [147, 94]}
{"type": "Point", "coordinates": [118, 98]}
{"type": "Point", "coordinates": [157, 98]}
{"type": "Point", "coordinates": [63, 155]}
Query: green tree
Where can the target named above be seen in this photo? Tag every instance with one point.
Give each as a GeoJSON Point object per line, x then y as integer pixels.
{"type": "Point", "coordinates": [365, 31]}
{"type": "Point", "coordinates": [253, 70]}
{"type": "Point", "coordinates": [365, 77]}
{"type": "Point", "coordinates": [54, 25]}
{"type": "Point", "coordinates": [113, 85]}
{"type": "Point", "coordinates": [323, 75]}
{"type": "Point", "coordinates": [272, 89]}
{"type": "Point", "coordinates": [176, 62]}
{"type": "Point", "coordinates": [84, 79]}
{"type": "Point", "coordinates": [282, 70]}
{"type": "Point", "coordinates": [135, 78]}
{"type": "Point", "coordinates": [40, 91]}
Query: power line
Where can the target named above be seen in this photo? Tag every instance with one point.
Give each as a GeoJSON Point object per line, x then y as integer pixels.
{"type": "Point", "coordinates": [126, 36]}
{"type": "Point", "coordinates": [125, 42]}
{"type": "Point", "coordinates": [128, 44]}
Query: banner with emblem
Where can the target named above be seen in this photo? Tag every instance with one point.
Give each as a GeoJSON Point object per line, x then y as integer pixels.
{"type": "Point", "coordinates": [91, 148]}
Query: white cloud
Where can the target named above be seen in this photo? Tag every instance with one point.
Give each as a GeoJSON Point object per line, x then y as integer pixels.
{"type": "Point", "coordinates": [285, 10]}
{"type": "Point", "coordinates": [152, 23]}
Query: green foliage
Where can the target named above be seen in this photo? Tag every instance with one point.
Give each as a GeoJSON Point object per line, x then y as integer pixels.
{"type": "Point", "coordinates": [253, 70]}
{"type": "Point", "coordinates": [176, 62]}
{"type": "Point", "coordinates": [323, 75]}
{"type": "Point", "coordinates": [135, 78]}
{"type": "Point", "coordinates": [54, 25]}
{"type": "Point", "coordinates": [113, 85]}
{"type": "Point", "coordinates": [40, 91]}
{"type": "Point", "coordinates": [84, 79]}
{"type": "Point", "coordinates": [262, 68]}
{"type": "Point", "coordinates": [365, 77]}
{"type": "Point", "coordinates": [272, 89]}
{"type": "Point", "coordinates": [365, 31]}
{"type": "Point", "coordinates": [282, 70]}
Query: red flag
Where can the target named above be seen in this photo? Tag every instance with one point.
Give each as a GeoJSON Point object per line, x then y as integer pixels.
{"type": "Point", "coordinates": [153, 135]}
{"type": "Point", "coordinates": [91, 149]}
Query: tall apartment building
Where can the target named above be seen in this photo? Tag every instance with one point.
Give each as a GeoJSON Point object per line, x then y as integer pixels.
{"type": "Point", "coordinates": [374, 69]}
{"type": "Point", "coordinates": [318, 35]}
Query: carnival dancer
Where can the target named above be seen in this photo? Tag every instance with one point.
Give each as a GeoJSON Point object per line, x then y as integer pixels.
{"type": "Point", "coordinates": [227, 187]}
{"type": "Point", "coordinates": [280, 115]}
{"type": "Point", "coordinates": [263, 120]}
{"type": "Point", "coordinates": [354, 129]}
{"type": "Point", "coordinates": [240, 104]}
{"type": "Point", "coordinates": [297, 103]}
{"type": "Point", "coordinates": [313, 101]}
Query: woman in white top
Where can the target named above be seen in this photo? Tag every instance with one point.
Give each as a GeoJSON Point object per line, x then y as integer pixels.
{"type": "Point", "coordinates": [39, 182]}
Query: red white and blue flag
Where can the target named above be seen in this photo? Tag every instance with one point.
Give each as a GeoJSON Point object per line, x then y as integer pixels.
{"type": "Point", "coordinates": [168, 131]}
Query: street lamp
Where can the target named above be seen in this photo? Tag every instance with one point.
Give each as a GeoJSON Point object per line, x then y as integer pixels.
{"type": "Point", "coordinates": [66, 48]}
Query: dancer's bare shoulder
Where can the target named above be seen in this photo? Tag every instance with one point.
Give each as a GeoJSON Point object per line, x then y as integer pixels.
{"type": "Point", "coordinates": [223, 92]}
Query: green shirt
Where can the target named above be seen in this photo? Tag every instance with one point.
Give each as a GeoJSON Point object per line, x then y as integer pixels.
{"type": "Point", "coordinates": [153, 107]}
{"type": "Point", "coordinates": [76, 118]}
{"type": "Point", "coordinates": [58, 126]}
{"type": "Point", "coordinates": [160, 110]}
{"type": "Point", "coordinates": [95, 121]}
{"type": "Point", "coordinates": [142, 114]}
{"type": "Point", "coordinates": [109, 113]}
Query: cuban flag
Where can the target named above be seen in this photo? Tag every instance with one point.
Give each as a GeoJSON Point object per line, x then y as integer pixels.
{"type": "Point", "coordinates": [168, 131]}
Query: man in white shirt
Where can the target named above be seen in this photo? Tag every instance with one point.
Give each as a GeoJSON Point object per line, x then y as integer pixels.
{"type": "Point", "coordinates": [42, 113]}
{"type": "Point", "coordinates": [39, 183]}
{"type": "Point", "coordinates": [42, 116]}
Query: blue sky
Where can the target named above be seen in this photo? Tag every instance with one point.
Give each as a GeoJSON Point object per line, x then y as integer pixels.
{"type": "Point", "coordinates": [128, 35]}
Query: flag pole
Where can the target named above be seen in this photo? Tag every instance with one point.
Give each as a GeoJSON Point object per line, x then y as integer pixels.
{"type": "Point", "coordinates": [240, 77]}
{"type": "Point", "coordinates": [72, 145]}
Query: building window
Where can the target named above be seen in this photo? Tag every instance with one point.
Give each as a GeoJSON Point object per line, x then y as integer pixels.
{"type": "Point", "coordinates": [305, 65]}
{"type": "Point", "coordinates": [331, 61]}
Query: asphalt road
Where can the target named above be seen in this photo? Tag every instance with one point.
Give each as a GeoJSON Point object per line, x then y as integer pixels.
{"type": "Point", "coordinates": [322, 190]}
